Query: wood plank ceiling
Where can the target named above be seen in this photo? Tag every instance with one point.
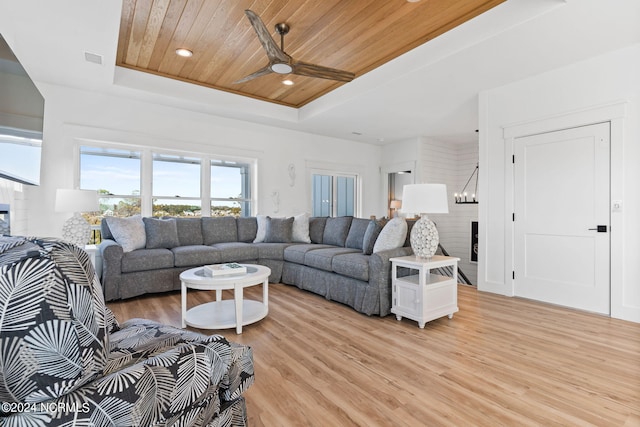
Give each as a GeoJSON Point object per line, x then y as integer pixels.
{"type": "Point", "coordinates": [355, 35]}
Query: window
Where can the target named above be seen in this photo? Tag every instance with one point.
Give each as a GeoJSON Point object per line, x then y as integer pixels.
{"type": "Point", "coordinates": [158, 184]}
{"type": "Point", "coordinates": [230, 189]}
{"type": "Point", "coordinates": [334, 195]}
{"type": "Point", "coordinates": [21, 151]}
{"type": "Point", "coordinates": [176, 186]}
{"type": "Point", "coordinates": [115, 174]}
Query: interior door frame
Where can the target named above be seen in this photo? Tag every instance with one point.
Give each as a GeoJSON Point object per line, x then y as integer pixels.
{"type": "Point", "coordinates": [614, 114]}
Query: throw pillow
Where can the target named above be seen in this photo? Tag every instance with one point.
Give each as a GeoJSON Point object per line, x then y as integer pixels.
{"type": "Point", "coordinates": [161, 233]}
{"type": "Point", "coordinates": [392, 235]}
{"type": "Point", "coordinates": [262, 228]}
{"type": "Point", "coordinates": [300, 230]}
{"type": "Point", "coordinates": [371, 235]}
{"type": "Point", "coordinates": [128, 232]}
{"type": "Point", "coordinates": [356, 233]}
{"type": "Point", "coordinates": [278, 230]}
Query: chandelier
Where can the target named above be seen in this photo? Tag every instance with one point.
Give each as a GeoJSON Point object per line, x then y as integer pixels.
{"type": "Point", "coordinates": [463, 197]}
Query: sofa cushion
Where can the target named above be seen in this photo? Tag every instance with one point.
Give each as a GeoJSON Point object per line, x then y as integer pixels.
{"type": "Point", "coordinates": [195, 255]}
{"type": "Point", "coordinates": [322, 258]}
{"type": "Point", "coordinates": [278, 230]}
{"type": "Point", "coordinates": [316, 228]}
{"type": "Point", "coordinates": [161, 233]}
{"type": "Point", "coordinates": [273, 251]}
{"type": "Point", "coordinates": [147, 259]}
{"type": "Point", "coordinates": [247, 229]}
{"type": "Point", "coordinates": [300, 229]}
{"type": "Point", "coordinates": [356, 233]}
{"type": "Point", "coordinates": [189, 231]}
{"type": "Point", "coordinates": [236, 251]}
{"type": "Point", "coordinates": [392, 236]}
{"type": "Point", "coordinates": [219, 230]}
{"type": "Point", "coordinates": [128, 232]}
{"type": "Point", "coordinates": [371, 235]}
{"type": "Point", "coordinates": [336, 230]}
{"type": "Point", "coordinates": [354, 265]}
{"type": "Point", "coordinates": [296, 253]}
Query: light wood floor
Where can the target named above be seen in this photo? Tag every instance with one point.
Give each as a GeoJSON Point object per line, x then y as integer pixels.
{"type": "Point", "coordinates": [499, 361]}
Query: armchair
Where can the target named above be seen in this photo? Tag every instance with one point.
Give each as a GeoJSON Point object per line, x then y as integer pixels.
{"type": "Point", "coordinates": [65, 360]}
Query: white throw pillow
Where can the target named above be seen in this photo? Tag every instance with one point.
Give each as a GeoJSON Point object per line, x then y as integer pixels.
{"type": "Point", "coordinates": [128, 232]}
{"type": "Point", "coordinates": [262, 228]}
{"type": "Point", "coordinates": [300, 230]}
{"type": "Point", "coordinates": [392, 236]}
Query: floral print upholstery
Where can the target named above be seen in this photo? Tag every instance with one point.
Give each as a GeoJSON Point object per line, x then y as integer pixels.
{"type": "Point", "coordinates": [64, 359]}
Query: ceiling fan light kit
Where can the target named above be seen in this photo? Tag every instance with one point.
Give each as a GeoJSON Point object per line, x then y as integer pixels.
{"type": "Point", "coordinates": [281, 68]}
{"type": "Point", "coordinates": [280, 62]}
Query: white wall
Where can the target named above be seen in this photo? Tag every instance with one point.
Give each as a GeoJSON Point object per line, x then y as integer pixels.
{"type": "Point", "coordinates": [566, 95]}
{"type": "Point", "coordinates": [452, 164]}
{"type": "Point", "coordinates": [466, 161]}
{"type": "Point", "coordinates": [72, 116]}
{"type": "Point", "coordinates": [441, 162]}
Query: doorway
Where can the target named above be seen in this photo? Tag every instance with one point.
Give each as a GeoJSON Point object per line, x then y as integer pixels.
{"type": "Point", "coordinates": [397, 181]}
{"type": "Point", "coordinates": [562, 218]}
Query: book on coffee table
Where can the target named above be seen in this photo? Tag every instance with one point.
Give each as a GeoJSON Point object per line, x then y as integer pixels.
{"type": "Point", "coordinates": [225, 269]}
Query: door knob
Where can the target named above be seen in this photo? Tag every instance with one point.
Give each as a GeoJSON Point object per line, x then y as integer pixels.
{"type": "Point", "coordinates": [600, 229]}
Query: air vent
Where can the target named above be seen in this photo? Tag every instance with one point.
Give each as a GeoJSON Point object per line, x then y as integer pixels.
{"type": "Point", "coordinates": [93, 57]}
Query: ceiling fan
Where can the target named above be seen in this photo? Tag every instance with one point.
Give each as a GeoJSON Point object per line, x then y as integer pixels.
{"type": "Point", "coordinates": [281, 63]}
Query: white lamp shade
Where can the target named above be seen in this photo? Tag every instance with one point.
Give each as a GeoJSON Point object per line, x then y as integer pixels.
{"type": "Point", "coordinates": [395, 204]}
{"type": "Point", "coordinates": [68, 200]}
{"type": "Point", "coordinates": [425, 199]}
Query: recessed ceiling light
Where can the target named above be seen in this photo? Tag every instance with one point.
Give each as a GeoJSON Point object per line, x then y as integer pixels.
{"type": "Point", "coordinates": [287, 82]}
{"type": "Point", "coordinates": [184, 52]}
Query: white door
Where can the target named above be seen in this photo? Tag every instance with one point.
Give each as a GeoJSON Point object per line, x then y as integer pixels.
{"type": "Point", "coordinates": [561, 221]}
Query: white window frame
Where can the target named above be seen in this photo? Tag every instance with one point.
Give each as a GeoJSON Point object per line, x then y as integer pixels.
{"type": "Point", "coordinates": [335, 170]}
{"type": "Point", "coordinates": [146, 173]}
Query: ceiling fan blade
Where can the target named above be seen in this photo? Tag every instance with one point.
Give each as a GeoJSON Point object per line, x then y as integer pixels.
{"type": "Point", "coordinates": [274, 53]}
{"type": "Point", "coordinates": [313, 70]}
{"type": "Point", "coordinates": [261, 72]}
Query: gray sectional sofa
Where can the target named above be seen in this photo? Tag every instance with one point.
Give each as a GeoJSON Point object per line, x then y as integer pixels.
{"type": "Point", "coordinates": [335, 258]}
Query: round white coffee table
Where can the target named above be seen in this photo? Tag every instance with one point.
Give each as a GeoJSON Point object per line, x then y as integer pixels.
{"type": "Point", "coordinates": [225, 314]}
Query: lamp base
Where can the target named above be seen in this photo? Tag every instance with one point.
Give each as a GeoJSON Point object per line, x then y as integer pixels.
{"type": "Point", "coordinates": [424, 238]}
{"type": "Point", "coordinates": [76, 230]}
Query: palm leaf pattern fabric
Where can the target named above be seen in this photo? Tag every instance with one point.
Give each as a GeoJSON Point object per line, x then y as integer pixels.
{"type": "Point", "coordinates": [65, 358]}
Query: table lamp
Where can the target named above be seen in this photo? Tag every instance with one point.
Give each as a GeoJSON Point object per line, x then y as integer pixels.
{"type": "Point", "coordinates": [394, 206]}
{"type": "Point", "coordinates": [76, 229]}
{"type": "Point", "coordinates": [424, 199]}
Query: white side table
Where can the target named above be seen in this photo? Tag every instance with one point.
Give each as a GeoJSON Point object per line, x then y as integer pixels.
{"type": "Point", "coordinates": [94, 256]}
{"type": "Point", "coordinates": [424, 296]}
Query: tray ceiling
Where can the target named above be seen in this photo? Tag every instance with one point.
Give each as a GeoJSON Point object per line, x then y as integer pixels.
{"type": "Point", "coordinates": [356, 36]}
